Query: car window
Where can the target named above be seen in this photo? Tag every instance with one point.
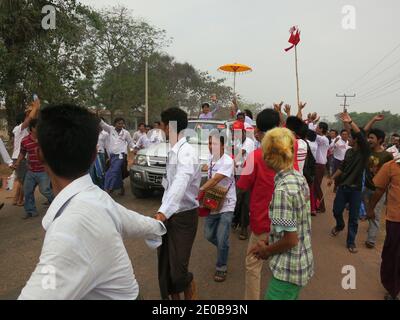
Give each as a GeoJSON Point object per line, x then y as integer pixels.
{"type": "Point", "coordinates": [203, 130]}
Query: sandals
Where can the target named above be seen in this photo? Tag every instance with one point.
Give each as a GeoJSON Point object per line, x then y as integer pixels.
{"type": "Point", "coordinates": [369, 245]}
{"type": "Point", "coordinates": [334, 232]}
{"type": "Point", "coordinates": [220, 276]}
{"type": "Point", "coordinates": [352, 249]}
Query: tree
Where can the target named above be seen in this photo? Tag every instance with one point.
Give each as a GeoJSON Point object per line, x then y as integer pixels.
{"type": "Point", "coordinates": [55, 64]}
{"type": "Point", "coordinates": [121, 43]}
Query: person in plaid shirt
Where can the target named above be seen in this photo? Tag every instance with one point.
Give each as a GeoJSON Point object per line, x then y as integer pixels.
{"type": "Point", "coordinates": [289, 245]}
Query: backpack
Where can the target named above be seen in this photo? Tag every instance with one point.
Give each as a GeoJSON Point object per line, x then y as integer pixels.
{"type": "Point", "coordinates": [309, 166]}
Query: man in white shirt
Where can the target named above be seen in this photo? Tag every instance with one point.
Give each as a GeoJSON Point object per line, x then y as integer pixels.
{"type": "Point", "coordinates": [140, 132]}
{"type": "Point", "coordinates": [339, 147]}
{"type": "Point", "coordinates": [97, 169]}
{"type": "Point", "coordinates": [119, 140]}
{"type": "Point", "coordinates": [178, 209]}
{"type": "Point", "coordinates": [321, 160]}
{"type": "Point", "coordinates": [394, 149]}
{"type": "Point", "coordinates": [83, 254]}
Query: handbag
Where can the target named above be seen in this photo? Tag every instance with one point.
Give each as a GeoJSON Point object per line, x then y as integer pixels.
{"type": "Point", "coordinates": [213, 198]}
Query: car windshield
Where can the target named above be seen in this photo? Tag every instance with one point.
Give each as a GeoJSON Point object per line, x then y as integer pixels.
{"type": "Point", "coordinates": [203, 130]}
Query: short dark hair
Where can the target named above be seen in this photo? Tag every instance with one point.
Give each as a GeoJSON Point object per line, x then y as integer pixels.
{"type": "Point", "coordinates": [141, 124]}
{"type": "Point", "coordinates": [67, 135]}
{"type": "Point", "coordinates": [303, 131]}
{"type": "Point", "coordinates": [175, 114]}
{"type": "Point", "coordinates": [380, 135]}
{"type": "Point", "coordinates": [248, 113]}
{"type": "Point", "coordinates": [267, 120]}
{"type": "Point", "coordinates": [311, 135]}
{"type": "Point", "coordinates": [396, 135]}
{"type": "Point", "coordinates": [33, 123]}
{"type": "Point", "coordinates": [158, 122]}
{"type": "Point", "coordinates": [335, 131]}
{"type": "Point", "coordinates": [343, 130]}
{"type": "Point", "coordinates": [241, 114]}
{"type": "Point", "coordinates": [205, 104]}
{"type": "Point", "coordinates": [323, 126]}
{"type": "Point", "coordinates": [294, 124]}
{"type": "Point", "coordinates": [116, 120]}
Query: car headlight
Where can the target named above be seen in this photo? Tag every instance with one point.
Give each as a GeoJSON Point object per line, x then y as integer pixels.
{"type": "Point", "coordinates": [141, 160]}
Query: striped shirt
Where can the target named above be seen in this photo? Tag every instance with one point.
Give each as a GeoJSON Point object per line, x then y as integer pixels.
{"type": "Point", "coordinates": [29, 146]}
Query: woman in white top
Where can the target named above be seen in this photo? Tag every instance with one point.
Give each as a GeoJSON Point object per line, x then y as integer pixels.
{"type": "Point", "coordinates": [217, 224]}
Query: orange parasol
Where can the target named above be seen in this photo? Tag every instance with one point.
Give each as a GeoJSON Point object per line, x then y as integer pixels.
{"type": "Point", "coordinates": [235, 68]}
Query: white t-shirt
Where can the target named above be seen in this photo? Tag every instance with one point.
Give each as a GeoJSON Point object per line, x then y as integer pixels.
{"type": "Point", "coordinates": [19, 134]}
{"type": "Point", "coordinates": [224, 166]}
{"type": "Point", "coordinates": [102, 141]}
{"type": "Point", "coordinates": [394, 151]}
{"type": "Point", "coordinates": [312, 126]}
{"type": "Point", "coordinates": [339, 149]}
{"type": "Point", "coordinates": [313, 147]}
{"type": "Point", "coordinates": [301, 154]}
{"type": "Point", "coordinates": [248, 146]}
{"type": "Point", "coordinates": [322, 151]}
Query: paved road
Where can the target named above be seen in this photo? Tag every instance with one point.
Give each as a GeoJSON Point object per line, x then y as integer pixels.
{"type": "Point", "coordinates": [21, 240]}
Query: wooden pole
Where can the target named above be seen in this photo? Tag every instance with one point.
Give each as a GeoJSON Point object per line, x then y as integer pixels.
{"type": "Point", "coordinates": [297, 76]}
{"type": "Point", "coordinates": [146, 103]}
{"type": "Point", "coordinates": [234, 84]}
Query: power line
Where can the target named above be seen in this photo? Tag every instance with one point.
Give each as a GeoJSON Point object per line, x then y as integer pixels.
{"type": "Point", "coordinates": [378, 74]}
{"type": "Point", "coordinates": [379, 96]}
{"type": "Point", "coordinates": [385, 85]}
{"type": "Point", "coordinates": [371, 69]}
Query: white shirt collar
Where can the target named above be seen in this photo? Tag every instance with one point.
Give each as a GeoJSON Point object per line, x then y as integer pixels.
{"type": "Point", "coordinates": [65, 195]}
{"type": "Point", "coordinates": [180, 142]}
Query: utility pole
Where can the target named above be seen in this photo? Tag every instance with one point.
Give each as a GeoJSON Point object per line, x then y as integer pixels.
{"type": "Point", "coordinates": [345, 96]}
{"type": "Point", "coordinates": [146, 103]}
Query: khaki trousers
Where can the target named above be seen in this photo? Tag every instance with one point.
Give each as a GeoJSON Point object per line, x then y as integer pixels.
{"type": "Point", "coordinates": [253, 269]}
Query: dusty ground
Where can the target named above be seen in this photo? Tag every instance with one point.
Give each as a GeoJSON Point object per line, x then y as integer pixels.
{"type": "Point", "coordinates": [21, 240]}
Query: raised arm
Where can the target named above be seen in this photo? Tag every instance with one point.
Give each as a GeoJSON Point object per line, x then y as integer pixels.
{"type": "Point", "coordinates": [106, 127]}
{"type": "Point", "coordinates": [32, 114]}
{"type": "Point", "coordinates": [278, 108]}
{"type": "Point", "coordinates": [300, 108]}
{"type": "Point", "coordinates": [370, 124]}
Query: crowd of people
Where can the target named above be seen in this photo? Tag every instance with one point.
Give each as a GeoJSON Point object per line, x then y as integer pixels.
{"type": "Point", "coordinates": [264, 177]}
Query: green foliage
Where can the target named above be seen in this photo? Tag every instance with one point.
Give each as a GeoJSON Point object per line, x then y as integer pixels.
{"type": "Point", "coordinates": [93, 58]}
{"type": "Point", "coordinates": [390, 123]}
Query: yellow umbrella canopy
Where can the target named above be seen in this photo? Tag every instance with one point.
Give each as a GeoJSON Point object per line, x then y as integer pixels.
{"type": "Point", "coordinates": [235, 68]}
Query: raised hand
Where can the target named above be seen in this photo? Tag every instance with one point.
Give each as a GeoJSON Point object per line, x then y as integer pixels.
{"type": "Point", "coordinates": [345, 117]}
{"type": "Point", "coordinates": [278, 106]}
{"type": "Point", "coordinates": [287, 109]}
{"type": "Point", "coordinates": [379, 117]}
{"type": "Point", "coordinates": [302, 105]}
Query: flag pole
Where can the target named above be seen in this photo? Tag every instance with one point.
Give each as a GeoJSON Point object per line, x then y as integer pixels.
{"type": "Point", "coordinates": [297, 75]}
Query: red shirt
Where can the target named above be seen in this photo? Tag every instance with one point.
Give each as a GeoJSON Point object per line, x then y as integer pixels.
{"type": "Point", "coordinates": [28, 145]}
{"type": "Point", "coordinates": [260, 181]}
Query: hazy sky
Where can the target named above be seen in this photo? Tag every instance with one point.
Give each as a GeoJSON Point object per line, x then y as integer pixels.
{"type": "Point", "coordinates": [210, 33]}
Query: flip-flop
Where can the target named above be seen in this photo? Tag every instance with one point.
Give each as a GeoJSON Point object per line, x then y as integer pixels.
{"type": "Point", "coordinates": [334, 232]}
{"type": "Point", "coordinates": [220, 276]}
{"type": "Point", "coordinates": [1, 205]}
{"type": "Point", "coordinates": [352, 249]}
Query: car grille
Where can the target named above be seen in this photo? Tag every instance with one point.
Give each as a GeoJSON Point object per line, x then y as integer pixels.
{"type": "Point", "coordinates": [159, 162]}
{"type": "Point", "coordinates": [155, 178]}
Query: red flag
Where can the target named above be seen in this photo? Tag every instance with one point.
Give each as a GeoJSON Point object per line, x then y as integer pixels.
{"type": "Point", "coordinates": [294, 37]}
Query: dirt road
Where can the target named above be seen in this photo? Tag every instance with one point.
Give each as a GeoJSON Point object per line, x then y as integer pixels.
{"type": "Point", "coordinates": [21, 240]}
